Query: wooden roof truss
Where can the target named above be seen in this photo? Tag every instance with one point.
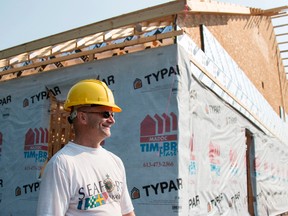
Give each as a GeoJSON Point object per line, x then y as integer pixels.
{"type": "Point", "coordinates": [147, 28]}
{"type": "Point", "coordinates": [127, 39]}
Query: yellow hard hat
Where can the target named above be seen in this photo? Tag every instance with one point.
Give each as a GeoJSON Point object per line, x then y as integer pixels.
{"type": "Point", "coordinates": [88, 92]}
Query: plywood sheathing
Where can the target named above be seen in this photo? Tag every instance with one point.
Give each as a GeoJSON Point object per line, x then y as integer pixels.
{"type": "Point", "coordinates": [250, 41]}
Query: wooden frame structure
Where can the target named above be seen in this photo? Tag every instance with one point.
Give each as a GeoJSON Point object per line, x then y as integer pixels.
{"type": "Point", "coordinates": [147, 28]}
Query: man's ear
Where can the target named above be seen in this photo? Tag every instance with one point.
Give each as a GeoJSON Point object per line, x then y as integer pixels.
{"type": "Point", "coordinates": [82, 117]}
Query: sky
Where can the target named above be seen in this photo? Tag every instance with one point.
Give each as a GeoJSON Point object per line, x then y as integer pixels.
{"type": "Point", "coordinates": [23, 21]}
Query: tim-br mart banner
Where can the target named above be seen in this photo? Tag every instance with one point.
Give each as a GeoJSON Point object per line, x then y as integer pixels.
{"type": "Point", "coordinates": [183, 148]}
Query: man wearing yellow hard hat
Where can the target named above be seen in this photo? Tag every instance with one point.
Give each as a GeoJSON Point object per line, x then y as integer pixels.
{"type": "Point", "coordinates": [83, 178]}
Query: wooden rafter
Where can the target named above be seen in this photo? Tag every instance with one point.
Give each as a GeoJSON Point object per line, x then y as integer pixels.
{"type": "Point", "coordinates": [162, 10]}
{"type": "Point", "coordinates": [40, 65]}
{"type": "Point", "coordinates": [274, 11]}
{"type": "Point", "coordinates": [282, 31]}
{"type": "Point", "coordinates": [88, 42]}
{"type": "Point", "coordinates": [113, 36]}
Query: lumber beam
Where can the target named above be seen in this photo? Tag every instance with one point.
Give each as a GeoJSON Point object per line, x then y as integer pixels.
{"type": "Point", "coordinates": [91, 52]}
{"type": "Point", "coordinates": [197, 6]}
{"type": "Point", "coordinates": [155, 12]}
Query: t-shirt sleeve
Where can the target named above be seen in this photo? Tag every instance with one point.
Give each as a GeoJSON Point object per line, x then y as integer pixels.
{"type": "Point", "coordinates": [54, 192]}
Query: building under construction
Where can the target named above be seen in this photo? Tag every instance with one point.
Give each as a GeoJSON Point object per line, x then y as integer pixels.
{"type": "Point", "coordinates": [204, 92]}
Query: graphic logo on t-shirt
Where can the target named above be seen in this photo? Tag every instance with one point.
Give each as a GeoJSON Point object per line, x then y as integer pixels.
{"type": "Point", "coordinates": [93, 201]}
{"type": "Point", "coordinates": [97, 194]}
{"type": "Point", "coordinates": [109, 185]}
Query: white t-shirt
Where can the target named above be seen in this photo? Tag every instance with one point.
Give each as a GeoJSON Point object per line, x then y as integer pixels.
{"type": "Point", "coordinates": [80, 180]}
